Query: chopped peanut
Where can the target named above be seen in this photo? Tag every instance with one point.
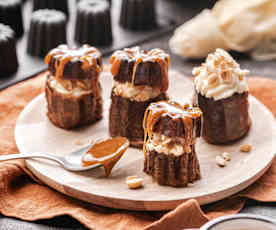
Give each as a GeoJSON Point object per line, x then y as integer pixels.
{"type": "Point", "coordinates": [221, 161]}
{"type": "Point", "coordinates": [245, 148]}
{"type": "Point", "coordinates": [240, 77]}
{"type": "Point", "coordinates": [227, 77]}
{"type": "Point", "coordinates": [213, 80]}
{"type": "Point", "coordinates": [197, 71]}
{"type": "Point", "coordinates": [134, 182]}
{"type": "Point", "coordinates": [78, 142]}
{"type": "Point", "coordinates": [226, 156]}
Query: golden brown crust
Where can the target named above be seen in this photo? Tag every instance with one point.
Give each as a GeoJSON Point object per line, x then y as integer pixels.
{"type": "Point", "coordinates": [68, 111]}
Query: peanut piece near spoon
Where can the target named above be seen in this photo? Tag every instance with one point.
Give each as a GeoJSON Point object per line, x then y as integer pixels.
{"type": "Point", "coordinates": [245, 148]}
{"type": "Point", "coordinates": [226, 156]}
{"type": "Point", "coordinates": [78, 142]}
{"type": "Point", "coordinates": [134, 182]}
{"type": "Point", "coordinates": [221, 162]}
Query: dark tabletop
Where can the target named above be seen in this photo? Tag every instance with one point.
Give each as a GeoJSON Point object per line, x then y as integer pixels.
{"type": "Point", "coordinates": [182, 11]}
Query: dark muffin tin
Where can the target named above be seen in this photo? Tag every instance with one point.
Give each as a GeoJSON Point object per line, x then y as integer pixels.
{"type": "Point", "coordinates": [30, 66]}
{"type": "Point", "coordinates": [47, 31]}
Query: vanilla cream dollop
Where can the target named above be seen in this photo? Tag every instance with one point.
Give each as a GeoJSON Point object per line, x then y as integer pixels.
{"type": "Point", "coordinates": [75, 91]}
{"type": "Point", "coordinates": [220, 76]}
{"type": "Point", "coordinates": [167, 145]}
{"type": "Point", "coordinates": [136, 93]}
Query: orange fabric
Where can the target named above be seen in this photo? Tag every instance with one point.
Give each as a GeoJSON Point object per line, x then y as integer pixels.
{"type": "Point", "coordinates": [22, 197]}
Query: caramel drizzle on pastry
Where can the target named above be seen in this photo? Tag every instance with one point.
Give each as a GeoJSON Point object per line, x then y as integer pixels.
{"type": "Point", "coordinates": [140, 56]}
{"type": "Point", "coordinates": [63, 55]}
{"type": "Point", "coordinates": [173, 110]}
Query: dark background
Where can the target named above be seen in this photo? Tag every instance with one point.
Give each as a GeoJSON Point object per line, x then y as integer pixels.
{"type": "Point", "coordinates": [180, 10]}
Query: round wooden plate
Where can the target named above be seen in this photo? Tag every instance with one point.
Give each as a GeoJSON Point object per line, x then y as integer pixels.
{"type": "Point", "coordinates": [34, 133]}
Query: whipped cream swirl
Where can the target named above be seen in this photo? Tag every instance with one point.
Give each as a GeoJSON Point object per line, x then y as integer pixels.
{"type": "Point", "coordinates": [220, 76]}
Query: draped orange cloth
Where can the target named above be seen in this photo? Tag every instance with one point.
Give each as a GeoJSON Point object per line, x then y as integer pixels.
{"type": "Point", "coordinates": [23, 196]}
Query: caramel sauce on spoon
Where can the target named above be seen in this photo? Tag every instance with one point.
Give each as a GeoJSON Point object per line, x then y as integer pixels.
{"type": "Point", "coordinates": [106, 152]}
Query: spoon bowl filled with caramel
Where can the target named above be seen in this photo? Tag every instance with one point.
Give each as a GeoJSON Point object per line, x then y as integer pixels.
{"type": "Point", "coordinates": [102, 152]}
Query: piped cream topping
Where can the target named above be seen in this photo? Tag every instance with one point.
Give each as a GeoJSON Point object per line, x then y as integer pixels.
{"type": "Point", "coordinates": [220, 76]}
{"type": "Point", "coordinates": [136, 93]}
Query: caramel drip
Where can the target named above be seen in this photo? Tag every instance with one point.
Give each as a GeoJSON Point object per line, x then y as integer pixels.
{"type": "Point", "coordinates": [116, 63]}
{"type": "Point", "coordinates": [63, 54]}
{"type": "Point", "coordinates": [139, 56]}
{"type": "Point", "coordinates": [60, 65]}
{"type": "Point", "coordinates": [136, 64]}
{"type": "Point", "coordinates": [107, 153]}
{"type": "Point", "coordinates": [50, 55]}
{"type": "Point", "coordinates": [164, 69]}
{"type": "Point", "coordinates": [175, 111]}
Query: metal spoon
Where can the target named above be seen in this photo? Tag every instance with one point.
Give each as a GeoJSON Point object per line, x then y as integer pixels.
{"type": "Point", "coordinates": [71, 162]}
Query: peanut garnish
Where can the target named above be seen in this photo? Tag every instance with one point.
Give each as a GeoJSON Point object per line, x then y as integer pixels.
{"type": "Point", "coordinates": [240, 77]}
{"type": "Point", "coordinates": [134, 182]}
{"type": "Point", "coordinates": [226, 156]}
{"type": "Point", "coordinates": [213, 80]}
{"type": "Point", "coordinates": [226, 77]}
{"type": "Point", "coordinates": [221, 161]}
{"type": "Point", "coordinates": [78, 142]}
{"type": "Point", "coordinates": [216, 63]}
{"type": "Point", "coordinates": [197, 71]}
{"type": "Point", "coordinates": [245, 148]}
{"type": "Point", "coordinates": [223, 66]}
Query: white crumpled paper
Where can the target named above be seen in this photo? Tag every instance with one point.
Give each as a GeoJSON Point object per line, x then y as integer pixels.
{"type": "Point", "coordinates": [240, 25]}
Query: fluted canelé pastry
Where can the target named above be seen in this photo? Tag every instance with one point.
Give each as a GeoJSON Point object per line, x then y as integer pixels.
{"type": "Point", "coordinates": [47, 31]}
{"type": "Point", "coordinates": [60, 5]}
{"type": "Point", "coordinates": [221, 91]}
{"type": "Point", "coordinates": [93, 24]}
{"type": "Point", "coordinates": [138, 14]}
{"type": "Point", "coordinates": [140, 78]}
{"type": "Point", "coordinates": [73, 91]}
{"type": "Point", "coordinates": [8, 55]}
{"type": "Point", "coordinates": [11, 15]}
{"type": "Point", "coordinates": [169, 146]}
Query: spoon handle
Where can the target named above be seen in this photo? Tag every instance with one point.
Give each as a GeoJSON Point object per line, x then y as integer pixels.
{"type": "Point", "coordinates": [30, 156]}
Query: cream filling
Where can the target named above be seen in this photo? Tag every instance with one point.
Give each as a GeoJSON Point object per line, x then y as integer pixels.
{"type": "Point", "coordinates": [163, 144]}
{"type": "Point", "coordinates": [136, 93]}
{"type": "Point", "coordinates": [220, 76]}
{"type": "Point", "coordinates": [75, 91]}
